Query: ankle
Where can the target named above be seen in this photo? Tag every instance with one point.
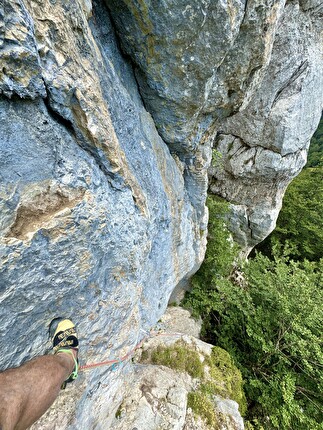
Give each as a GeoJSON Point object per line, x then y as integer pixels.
{"type": "Point", "coordinates": [66, 360]}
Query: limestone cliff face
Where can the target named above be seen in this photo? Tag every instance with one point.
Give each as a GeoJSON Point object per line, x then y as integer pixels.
{"type": "Point", "coordinates": [242, 76]}
{"type": "Point", "coordinates": [109, 112]}
{"type": "Point", "coordinates": [97, 222]}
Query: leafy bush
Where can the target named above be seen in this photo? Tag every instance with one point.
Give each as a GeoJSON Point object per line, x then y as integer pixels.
{"type": "Point", "coordinates": [271, 325]}
{"type": "Point", "coordinates": [218, 263]}
{"type": "Point", "coordinates": [300, 221]}
{"type": "Point", "coordinates": [273, 328]}
{"type": "Point", "coordinates": [315, 153]}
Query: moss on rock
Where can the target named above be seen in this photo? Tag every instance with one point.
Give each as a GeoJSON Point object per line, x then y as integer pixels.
{"type": "Point", "coordinates": [222, 369]}
{"type": "Point", "coordinates": [178, 357]}
{"type": "Point", "coordinates": [217, 373]}
{"type": "Point", "coordinates": [201, 405]}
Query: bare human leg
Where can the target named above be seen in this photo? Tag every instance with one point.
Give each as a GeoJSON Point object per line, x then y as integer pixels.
{"type": "Point", "coordinates": [28, 391]}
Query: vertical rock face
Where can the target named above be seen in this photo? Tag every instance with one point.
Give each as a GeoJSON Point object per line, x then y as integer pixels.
{"type": "Point", "coordinates": [104, 158]}
{"type": "Point", "coordinates": [264, 145]}
{"type": "Point", "coordinates": [96, 219]}
{"type": "Point", "coordinates": [245, 77]}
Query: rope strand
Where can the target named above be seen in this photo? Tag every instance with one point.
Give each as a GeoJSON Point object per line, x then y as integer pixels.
{"type": "Point", "coordinates": [120, 360]}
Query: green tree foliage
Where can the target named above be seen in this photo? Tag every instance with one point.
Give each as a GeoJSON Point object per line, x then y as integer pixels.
{"type": "Point", "coordinates": [273, 328]}
{"type": "Point", "coordinates": [217, 264]}
{"type": "Point", "coordinates": [300, 221]}
{"type": "Point", "coordinates": [270, 323]}
{"type": "Point", "coordinates": [315, 154]}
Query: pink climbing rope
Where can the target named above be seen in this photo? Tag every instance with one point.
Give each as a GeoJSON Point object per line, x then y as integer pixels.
{"type": "Point", "coordinates": [90, 366]}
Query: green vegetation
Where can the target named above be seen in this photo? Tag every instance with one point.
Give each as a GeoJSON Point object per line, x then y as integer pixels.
{"type": "Point", "coordinates": [271, 322]}
{"type": "Point", "coordinates": [276, 325]}
{"type": "Point", "coordinates": [201, 405]}
{"type": "Point", "coordinates": [216, 158]}
{"type": "Point", "coordinates": [222, 368]}
{"type": "Point", "coordinates": [178, 357]}
{"type": "Point", "coordinates": [315, 154]}
{"type": "Point", "coordinates": [300, 222]}
{"type": "Point", "coordinates": [217, 373]}
{"type": "Point", "coordinates": [271, 325]}
{"type": "Point", "coordinates": [216, 268]}
{"type": "Point", "coordinates": [119, 411]}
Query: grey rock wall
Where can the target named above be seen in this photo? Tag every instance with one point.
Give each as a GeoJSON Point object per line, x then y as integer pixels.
{"type": "Point", "coordinates": [106, 137]}
{"type": "Point", "coordinates": [264, 145]}
{"type": "Point", "coordinates": [242, 76]}
{"type": "Point", "coordinates": [97, 223]}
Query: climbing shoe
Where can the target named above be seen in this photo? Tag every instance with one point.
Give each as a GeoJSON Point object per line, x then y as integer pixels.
{"type": "Point", "coordinates": [64, 338]}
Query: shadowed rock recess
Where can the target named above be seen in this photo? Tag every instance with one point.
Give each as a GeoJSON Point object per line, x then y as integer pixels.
{"type": "Point", "coordinates": [110, 111]}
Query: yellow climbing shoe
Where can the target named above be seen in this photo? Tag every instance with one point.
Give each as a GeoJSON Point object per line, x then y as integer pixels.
{"type": "Point", "coordinates": [64, 338]}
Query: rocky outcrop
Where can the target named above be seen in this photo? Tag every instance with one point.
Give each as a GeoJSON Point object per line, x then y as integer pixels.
{"type": "Point", "coordinates": [159, 396]}
{"type": "Point", "coordinates": [244, 77]}
{"type": "Point", "coordinates": [106, 137]}
{"type": "Point", "coordinates": [264, 145]}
